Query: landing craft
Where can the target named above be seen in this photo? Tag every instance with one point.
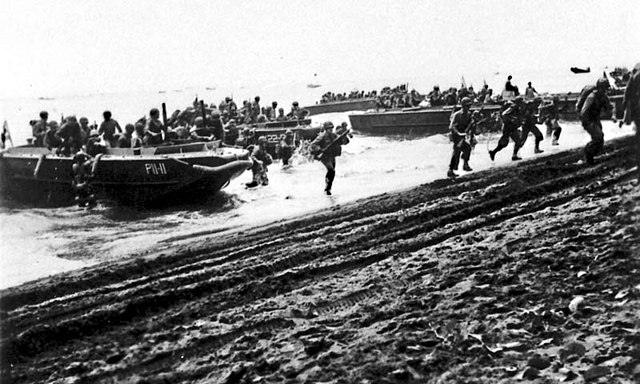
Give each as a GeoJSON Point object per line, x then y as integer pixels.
{"type": "Point", "coordinates": [132, 176]}
{"type": "Point", "coordinates": [413, 121]}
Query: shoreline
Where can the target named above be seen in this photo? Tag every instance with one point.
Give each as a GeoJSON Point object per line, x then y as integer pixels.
{"type": "Point", "coordinates": [44, 241]}
{"type": "Point", "coordinates": [496, 276]}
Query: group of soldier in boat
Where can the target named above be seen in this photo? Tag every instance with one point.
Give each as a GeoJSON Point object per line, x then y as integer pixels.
{"type": "Point", "coordinates": [199, 122]}
{"type": "Point", "coordinates": [401, 97]}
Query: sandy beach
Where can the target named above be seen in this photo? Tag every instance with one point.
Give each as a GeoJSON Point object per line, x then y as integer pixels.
{"type": "Point", "coordinates": [511, 271]}
{"type": "Point", "coordinates": [529, 272]}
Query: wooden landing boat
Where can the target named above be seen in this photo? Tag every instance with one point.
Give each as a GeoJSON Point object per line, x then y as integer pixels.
{"type": "Point", "coordinates": [567, 105]}
{"type": "Point", "coordinates": [410, 121]}
{"type": "Point", "coordinates": [342, 106]}
{"type": "Point", "coordinates": [154, 175]}
{"type": "Point", "coordinates": [274, 130]}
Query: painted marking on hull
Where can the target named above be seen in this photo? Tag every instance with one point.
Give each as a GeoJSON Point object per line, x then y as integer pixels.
{"type": "Point", "coordinates": [155, 168]}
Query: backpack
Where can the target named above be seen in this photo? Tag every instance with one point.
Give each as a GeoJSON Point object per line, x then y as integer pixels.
{"type": "Point", "coordinates": [586, 91]}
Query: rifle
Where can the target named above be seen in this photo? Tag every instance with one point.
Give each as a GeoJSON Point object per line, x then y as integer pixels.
{"type": "Point", "coordinates": [470, 133]}
{"type": "Point", "coordinates": [6, 135]}
{"type": "Point", "coordinates": [164, 115]}
{"type": "Point", "coordinates": [321, 152]}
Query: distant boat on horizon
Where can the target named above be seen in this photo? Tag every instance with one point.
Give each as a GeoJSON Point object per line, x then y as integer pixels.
{"type": "Point", "coordinates": [45, 98]}
{"type": "Point", "coordinates": [577, 70]}
{"type": "Point", "coordinates": [313, 85]}
{"type": "Point", "coordinates": [210, 88]}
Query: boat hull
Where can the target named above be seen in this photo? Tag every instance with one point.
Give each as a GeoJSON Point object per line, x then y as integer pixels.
{"type": "Point", "coordinates": [342, 106]}
{"type": "Point", "coordinates": [273, 131]}
{"type": "Point", "coordinates": [154, 177]}
{"type": "Point", "coordinates": [431, 121]}
{"type": "Point", "coordinates": [567, 106]}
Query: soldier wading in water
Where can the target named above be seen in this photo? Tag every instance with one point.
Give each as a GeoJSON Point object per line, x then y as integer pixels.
{"type": "Point", "coordinates": [82, 165]}
{"type": "Point", "coordinates": [261, 159]}
{"type": "Point", "coordinates": [326, 147]}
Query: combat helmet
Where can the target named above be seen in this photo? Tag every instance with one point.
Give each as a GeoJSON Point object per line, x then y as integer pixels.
{"type": "Point", "coordinates": [603, 83]}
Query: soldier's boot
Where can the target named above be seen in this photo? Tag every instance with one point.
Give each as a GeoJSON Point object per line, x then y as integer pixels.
{"type": "Point", "coordinates": [515, 156]}
{"type": "Point", "coordinates": [328, 182]}
{"type": "Point", "coordinates": [590, 160]}
{"type": "Point", "coordinates": [537, 149]}
{"type": "Point", "coordinates": [466, 166]}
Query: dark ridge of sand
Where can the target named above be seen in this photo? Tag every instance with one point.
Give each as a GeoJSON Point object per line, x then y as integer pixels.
{"type": "Point", "coordinates": [525, 273]}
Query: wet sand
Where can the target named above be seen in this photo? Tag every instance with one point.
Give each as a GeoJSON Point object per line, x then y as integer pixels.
{"type": "Point", "coordinates": [36, 243]}
{"type": "Point", "coordinates": [527, 272]}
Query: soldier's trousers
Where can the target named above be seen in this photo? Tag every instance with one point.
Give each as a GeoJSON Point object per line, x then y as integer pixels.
{"type": "Point", "coordinates": [330, 164]}
{"type": "Point", "coordinates": [553, 129]}
{"type": "Point", "coordinates": [509, 133]}
{"type": "Point", "coordinates": [460, 147]}
{"type": "Point", "coordinates": [533, 129]}
{"type": "Point", "coordinates": [594, 128]}
{"type": "Point", "coordinates": [260, 173]}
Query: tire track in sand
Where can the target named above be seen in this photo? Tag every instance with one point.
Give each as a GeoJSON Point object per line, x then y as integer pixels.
{"type": "Point", "coordinates": [290, 269]}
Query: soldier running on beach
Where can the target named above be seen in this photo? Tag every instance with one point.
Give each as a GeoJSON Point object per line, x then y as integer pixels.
{"type": "Point", "coordinates": [631, 107]}
{"type": "Point", "coordinates": [549, 115]}
{"type": "Point", "coordinates": [460, 125]}
{"type": "Point", "coordinates": [325, 148]}
{"type": "Point", "coordinates": [595, 103]}
{"type": "Point", "coordinates": [511, 119]}
{"type": "Point", "coordinates": [529, 123]}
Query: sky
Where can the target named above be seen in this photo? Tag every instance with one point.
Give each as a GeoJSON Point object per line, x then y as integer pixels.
{"type": "Point", "coordinates": [71, 47]}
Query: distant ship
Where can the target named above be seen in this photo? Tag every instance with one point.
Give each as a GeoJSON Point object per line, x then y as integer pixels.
{"type": "Point", "coordinates": [210, 88]}
{"type": "Point", "coordinates": [313, 85]}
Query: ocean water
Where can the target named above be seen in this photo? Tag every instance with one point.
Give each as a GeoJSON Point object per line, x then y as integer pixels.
{"type": "Point", "coordinates": [128, 107]}
{"type": "Point", "coordinates": [39, 242]}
